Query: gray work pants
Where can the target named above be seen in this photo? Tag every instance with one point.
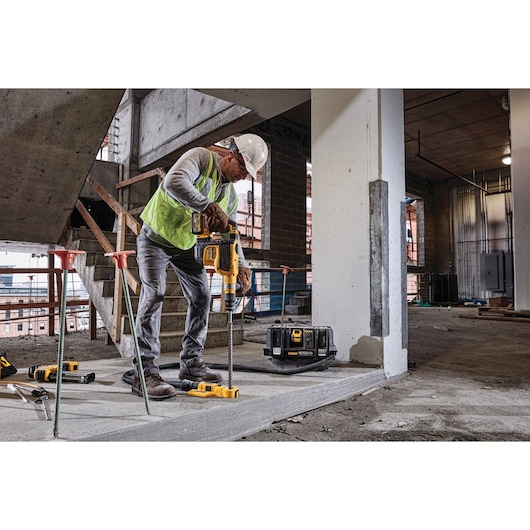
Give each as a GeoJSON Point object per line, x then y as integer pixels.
{"type": "Point", "coordinates": [153, 261]}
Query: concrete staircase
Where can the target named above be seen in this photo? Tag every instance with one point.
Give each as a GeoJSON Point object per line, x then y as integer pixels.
{"type": "Point", "coordinates": [97, 273]}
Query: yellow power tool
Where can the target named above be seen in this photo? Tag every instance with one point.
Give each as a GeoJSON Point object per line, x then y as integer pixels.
{"type": "Point", "coordinates": [48, 373]}
{"type": "Point", "coordinates": [203, 389]}
{"type": "Point", "coordinates": [221, 254]}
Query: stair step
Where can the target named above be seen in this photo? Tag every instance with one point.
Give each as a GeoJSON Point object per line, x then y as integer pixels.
{"type": "Point", "coordinates": [98, 259]}
{"type": "Point", "coordinates": [172, 304]}
{"type": "Point", "coordinates": [177, 320]}
{"type": "Point", "coordinates": [108, 272]}
{"type": "Point", "coordinates": [104, 272]}
{"type": "Point", "coordinates": [172, 288]}
{"type": "Point", "coordinates": [217, 337]}
{"type": "Point", "coordinates": [92, 246]}
{"type": "Point", "coordinates": [85, 234]}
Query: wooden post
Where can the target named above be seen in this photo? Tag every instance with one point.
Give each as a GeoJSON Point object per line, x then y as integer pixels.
{"type": "Point", "coordinates": [92, 321]}
{"type": "Point", "coordinates": [118, 287]}
{"type": "Point", "coordinates": [51, 297]}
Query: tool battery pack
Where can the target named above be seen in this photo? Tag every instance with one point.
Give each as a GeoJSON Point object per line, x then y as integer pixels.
{"type": "Point", "coordinates": [299, 343]}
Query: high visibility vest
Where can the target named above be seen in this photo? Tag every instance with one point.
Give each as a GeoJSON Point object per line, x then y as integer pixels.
{"type": "Point", "coordinates": [172, 220]}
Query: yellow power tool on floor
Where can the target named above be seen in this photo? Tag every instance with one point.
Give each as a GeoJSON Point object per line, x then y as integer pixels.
{"type": "Point", "coordinates": [221, 254]}
{"type": "Point", "coordinates": [203, 389]}
{"type": "Point", "coordinates": [70, 373]}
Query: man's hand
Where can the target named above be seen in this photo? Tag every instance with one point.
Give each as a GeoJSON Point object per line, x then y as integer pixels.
{"type": "Point", "coordinates": [216, 219]}
{"type": "Point", "coordinates": [243, 278]}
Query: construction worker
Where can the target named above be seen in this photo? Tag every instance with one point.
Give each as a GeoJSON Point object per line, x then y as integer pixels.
{"type": "Point", "coordinates": [200, 181]}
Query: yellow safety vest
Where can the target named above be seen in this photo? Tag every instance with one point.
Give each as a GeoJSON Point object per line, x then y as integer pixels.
{"type": "Point", "coordinates": [172, 220]}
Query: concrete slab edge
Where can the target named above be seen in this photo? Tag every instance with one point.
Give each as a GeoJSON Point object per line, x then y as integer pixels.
{"type": "Point", "coordinates": [247, 416]}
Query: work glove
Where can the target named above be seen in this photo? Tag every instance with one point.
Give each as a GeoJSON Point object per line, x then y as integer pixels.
{"type": "Point", "coordinates": [216, 219]}
{"type": "Point", "coordinates": [243, 279]}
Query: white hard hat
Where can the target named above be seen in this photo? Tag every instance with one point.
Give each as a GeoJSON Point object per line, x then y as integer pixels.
{"type": "Point", "coordinates": [254, 152]}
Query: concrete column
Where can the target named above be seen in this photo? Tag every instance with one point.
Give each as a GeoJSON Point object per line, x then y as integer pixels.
{"type": "Point", "coordinates": [520, 171]}
{"type": "Point", "coordinates": [358, 187]}
{"type": "Point", "coordinates": [125, 137]}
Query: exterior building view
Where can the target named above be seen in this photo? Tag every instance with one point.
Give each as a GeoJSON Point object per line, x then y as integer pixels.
{"type": "Point", "coordinates": [26, 310]}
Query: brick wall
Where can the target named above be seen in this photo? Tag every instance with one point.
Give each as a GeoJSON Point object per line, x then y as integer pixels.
{"type": "Point", "coordinates": [284, 193]}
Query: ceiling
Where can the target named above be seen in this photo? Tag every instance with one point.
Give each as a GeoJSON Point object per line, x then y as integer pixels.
{"type": "Point", "coordinates": [448, 133]}
{"type": "Point", "coordinates": [454, 132]}
{"type": "Point", "coordinates": [465, 132]}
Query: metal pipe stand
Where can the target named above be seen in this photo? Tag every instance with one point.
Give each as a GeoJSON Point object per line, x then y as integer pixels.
{"type": "Point", "coordinates": [67, 263]}
{"type": "Point", "coordinates": [120, 260]}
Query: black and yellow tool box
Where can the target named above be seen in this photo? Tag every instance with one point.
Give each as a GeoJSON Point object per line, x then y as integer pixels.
{"type": "Point", "coordinates": [289, 342]}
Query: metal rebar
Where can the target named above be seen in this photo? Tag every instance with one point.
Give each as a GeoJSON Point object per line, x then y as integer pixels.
{"type": "Point", "coordinates": [230, 348]}
{"type": "Point", "coordinates": [139, 365]}
{"type": "Point", "coordinates": [283, 295]}
{"type": "Point", "coordinates": [60, 355]}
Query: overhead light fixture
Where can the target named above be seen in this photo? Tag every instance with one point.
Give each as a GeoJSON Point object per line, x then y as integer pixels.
{"type": "Point", "coordinates": [507, 160]}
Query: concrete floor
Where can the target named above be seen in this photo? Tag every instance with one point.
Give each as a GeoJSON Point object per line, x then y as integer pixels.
{"type": "Point", "coordinates": [469, 381]}
{"type": "Point", "coordinates": [106, 409]}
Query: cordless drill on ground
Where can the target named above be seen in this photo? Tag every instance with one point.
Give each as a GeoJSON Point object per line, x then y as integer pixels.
{"type": "Point", "coordinates": [221, 254]}
{"type": "Point", "coordinates": [48, 373]}
{"type": "Point", "coordinates": [204, 389]}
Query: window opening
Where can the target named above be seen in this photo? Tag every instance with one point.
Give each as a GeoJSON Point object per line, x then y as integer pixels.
{"type": "Point", "coordinates": [411, 223]}
{"type": "Point", "coordinates": [414, 251]}
{"type": "Point", "coordinates": [250, 201]}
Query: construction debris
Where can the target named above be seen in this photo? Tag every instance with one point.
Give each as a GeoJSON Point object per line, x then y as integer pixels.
{"type": "Point", "coordinates": [499, 313]}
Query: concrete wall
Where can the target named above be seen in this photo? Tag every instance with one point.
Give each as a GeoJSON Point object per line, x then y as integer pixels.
{"type": "Point", "coordinates": [284, 194]}
{"type": "Point", "coordinates": [520, 150]}
{"type": "Point", "coordinates": [154, 130]}
{"type": "Point", "coordinates": [171, 119]}
{"type": "Point", "coordinates": [48, 141]}
{"type": "Point", "coordinates": [358, 241]}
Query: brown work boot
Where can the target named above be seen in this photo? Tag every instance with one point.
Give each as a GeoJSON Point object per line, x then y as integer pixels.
{"type": "Point", "coordinates": [156, 387]}
{"type": "Point", "coordinates": [199, 372]}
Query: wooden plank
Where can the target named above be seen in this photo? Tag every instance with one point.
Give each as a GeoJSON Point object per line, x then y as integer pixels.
{"type": "Point", "coordinates": [51, 293]}
{"type": "Point", "coordinates": [506, 312]}
{"type": "Point", "coordinates": [100, 236]}
{"type": "Point", "coordinates": [132, 223]}
{"type": "Point", "coordinates": [118, 287]}
{"type": "Point", "coordinates": [120, 180]}
{"type": "Point", "coordinates": [104, 242]}
{"type": "Point", "coordinates": [493, 317]}
{"type": "Point", "coordinates": [137, 211]}
{"type": "Point", "coordinates": [138, 178]}
{"type": "Point", "coordinates": [92, 322]}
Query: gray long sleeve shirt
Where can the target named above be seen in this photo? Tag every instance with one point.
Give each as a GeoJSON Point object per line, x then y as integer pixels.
{"type": "Point", "coordinates": [179, 184]}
